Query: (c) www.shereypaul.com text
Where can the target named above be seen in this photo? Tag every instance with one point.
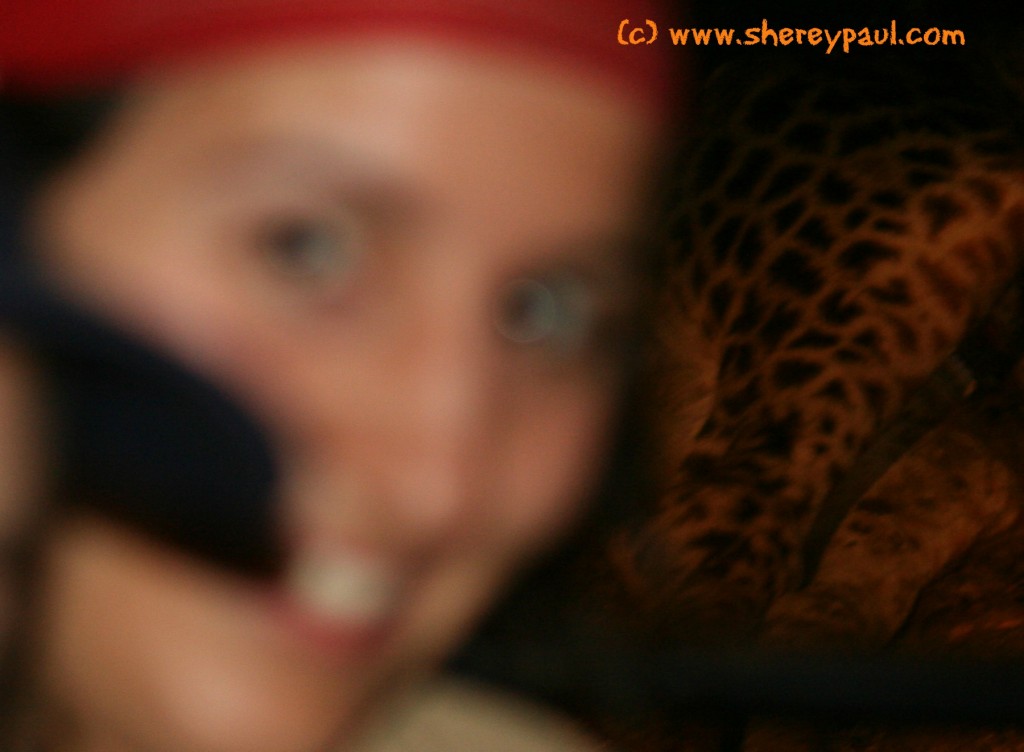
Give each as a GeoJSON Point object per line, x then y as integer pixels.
{"type": "Point", "coordinates": [765, 35]}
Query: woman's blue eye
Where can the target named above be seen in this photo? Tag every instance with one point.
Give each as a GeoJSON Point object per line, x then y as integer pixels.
{"type": "Point", "coordinates": [310, 249]}
{"type": "Point", "coordinates": [557, 313]}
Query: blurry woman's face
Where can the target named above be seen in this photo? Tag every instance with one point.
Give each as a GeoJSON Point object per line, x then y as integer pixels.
{"type": "Point", "coordinates": [412, 265]}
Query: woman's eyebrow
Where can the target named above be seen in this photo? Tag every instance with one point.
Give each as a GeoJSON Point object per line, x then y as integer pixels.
{"type": "Point", "coordinates": [609, 253]}
{"type": "Point", "coordinates": [342, 176]}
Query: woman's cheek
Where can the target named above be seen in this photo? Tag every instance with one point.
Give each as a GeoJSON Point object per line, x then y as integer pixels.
{"type": "Point", "coordinates": [557, 456]}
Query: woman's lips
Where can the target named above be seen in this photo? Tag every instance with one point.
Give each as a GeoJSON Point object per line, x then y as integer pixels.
{"type": "Point", "coordinates": [342, 604]}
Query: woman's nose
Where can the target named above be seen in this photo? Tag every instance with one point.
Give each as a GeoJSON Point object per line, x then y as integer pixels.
{"type": "Point", "coordinates": [410, 422]}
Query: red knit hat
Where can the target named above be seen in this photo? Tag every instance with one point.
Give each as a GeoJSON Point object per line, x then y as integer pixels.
{"type": "Point", "coordinates": [53, 46]}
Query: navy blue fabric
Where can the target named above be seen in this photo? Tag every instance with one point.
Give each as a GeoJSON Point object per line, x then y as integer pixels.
{"type": "Point", "coordinates": [140, 438]}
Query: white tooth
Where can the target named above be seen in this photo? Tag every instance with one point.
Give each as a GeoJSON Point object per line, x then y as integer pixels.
{"type": "Point", "coordinates": [342, 587]}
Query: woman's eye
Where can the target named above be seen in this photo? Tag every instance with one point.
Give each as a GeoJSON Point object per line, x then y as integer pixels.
{"type": "Point", "coordinates": [309, 249]}
{"type": "Point", "coordinates": [556, 313]}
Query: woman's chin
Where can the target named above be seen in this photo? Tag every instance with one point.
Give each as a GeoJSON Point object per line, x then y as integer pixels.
{"type": "Point", "coordinates": [225, 713]}
{"type": "Point", "coordinates": [249, 722]}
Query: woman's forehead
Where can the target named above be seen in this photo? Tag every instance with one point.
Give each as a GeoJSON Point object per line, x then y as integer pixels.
{"type": "Point", "coordinates": [390, 103]}
{"type": "Point", "coordinates": [387, 83]}
{"type": "Point", "coordinates": [463, 135]}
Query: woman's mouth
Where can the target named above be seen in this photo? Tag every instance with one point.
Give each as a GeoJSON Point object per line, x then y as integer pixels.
{"type": "Point", "coordinates": [342, 604]}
